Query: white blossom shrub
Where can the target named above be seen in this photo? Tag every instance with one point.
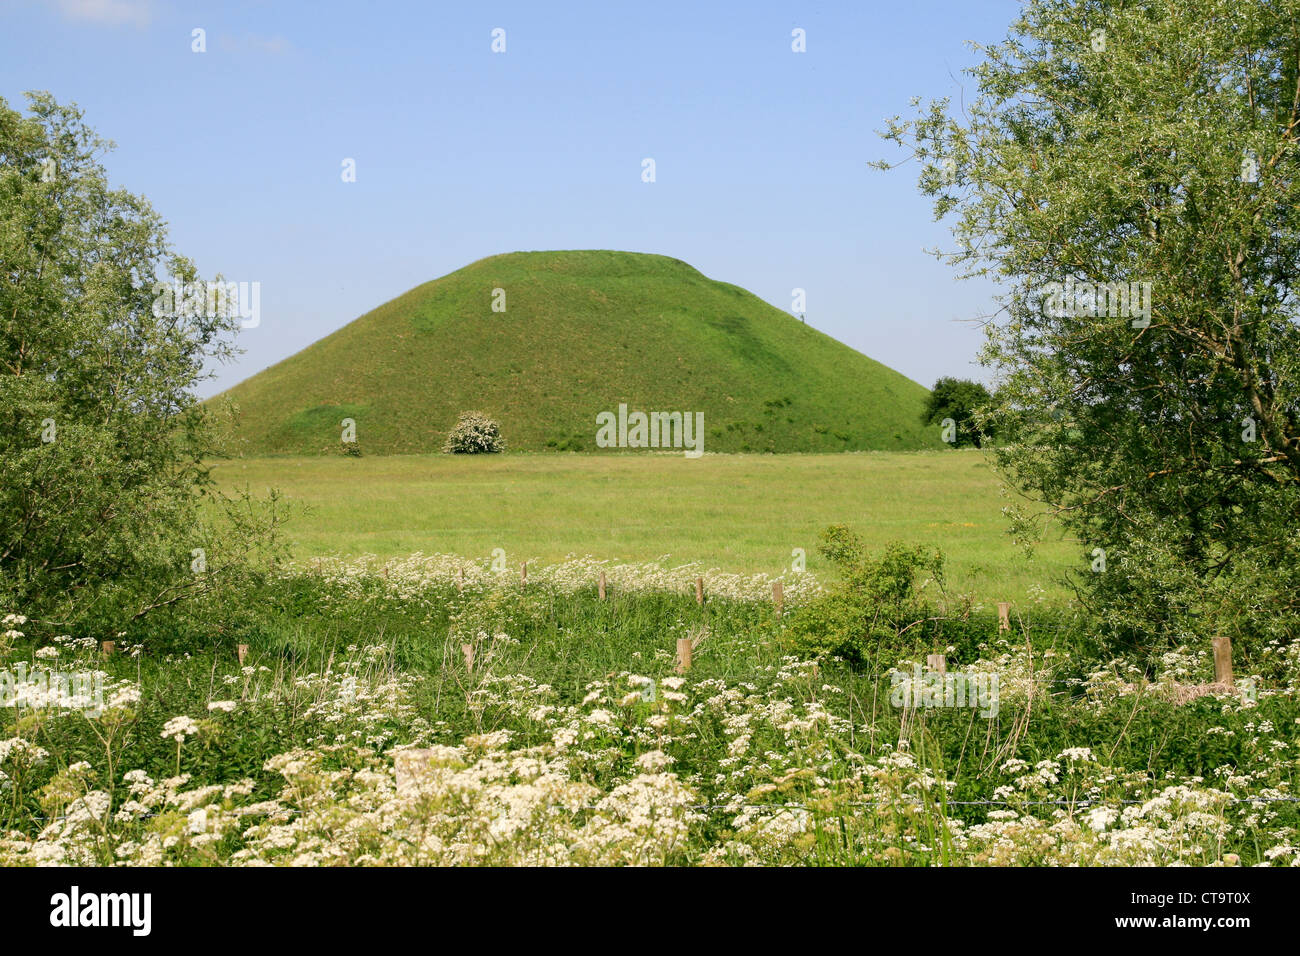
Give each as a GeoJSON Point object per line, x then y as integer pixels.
{"type": "Point", "coordinates": [475, 434]}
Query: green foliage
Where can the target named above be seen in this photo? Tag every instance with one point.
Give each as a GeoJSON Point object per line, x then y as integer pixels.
{"type": "Point", "coordinates": [574, 442]}
{"type": "Point", "coordinates": [958, 399]}
{"type": "Point", "coordinates": [475, 434]}
{"type": "Point", "coordinates": [1109, 146]}
{"type": "Point", "coordinates": [875, 601]}
{"type": "Point", "coordinates": [101, 439]}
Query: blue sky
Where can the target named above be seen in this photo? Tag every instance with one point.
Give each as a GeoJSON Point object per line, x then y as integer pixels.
{"type": "Point", "coordinates": [760, 153]}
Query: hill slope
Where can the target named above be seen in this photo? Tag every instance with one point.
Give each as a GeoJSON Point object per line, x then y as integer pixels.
{"type": "Point", "coordinates": [582, 333]}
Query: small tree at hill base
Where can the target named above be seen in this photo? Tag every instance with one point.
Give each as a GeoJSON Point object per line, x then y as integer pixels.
{"type": "Point", "coordinates": [962, 401]}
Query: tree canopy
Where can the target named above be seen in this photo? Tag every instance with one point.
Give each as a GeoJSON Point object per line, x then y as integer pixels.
{"type": "Point", "coordinates": [955, 404]}
{"type": "Point", "coordinates": [1126, 171]}
{"type": "Point", "coordinates": [101, 437]}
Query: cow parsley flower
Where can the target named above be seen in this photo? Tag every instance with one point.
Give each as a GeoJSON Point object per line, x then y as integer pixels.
{"type": "Point", "coordinates": [179, 728]}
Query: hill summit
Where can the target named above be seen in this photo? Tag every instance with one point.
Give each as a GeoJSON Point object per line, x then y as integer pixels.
{"type": "Point", "coordinates": [551, 344]}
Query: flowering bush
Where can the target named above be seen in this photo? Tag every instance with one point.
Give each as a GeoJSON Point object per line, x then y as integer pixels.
{"type": "Point", "coordinates": [474, 434]}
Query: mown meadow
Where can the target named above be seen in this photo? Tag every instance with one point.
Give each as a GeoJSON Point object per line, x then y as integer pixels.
{"type": "Point", "coordinates": [741, 513]}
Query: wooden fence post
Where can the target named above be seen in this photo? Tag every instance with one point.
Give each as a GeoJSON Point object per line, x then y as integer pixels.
{"type": "Point", "coordinates": [460, 581]}
{"type": "Point", "coordinates": [1223, 661]}
{"type": "Point", "coordinates": [601, 586]}
{"type": "Point", "coordinates": [683, 654]}
{"type": "Point", "coordinates": [1004, 615]}
{"type": "Point", "coordinates": [468, 651]}
{"type": "Point", "coordinates": [699, 591]}
{"type": "Point", "coordinates": [778, 596]}
{"type": "Point", "coordinates": [937, 662]}
{"type": "Point", "coordinates": [106, 648]}
{"type": "Point", "coordinates": [523, 575]}
{"type": "Point", "coordinates": [241, 651]}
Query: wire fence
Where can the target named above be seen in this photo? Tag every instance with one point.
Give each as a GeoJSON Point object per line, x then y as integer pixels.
{"type": "Point", "coordinates": [733, 807]}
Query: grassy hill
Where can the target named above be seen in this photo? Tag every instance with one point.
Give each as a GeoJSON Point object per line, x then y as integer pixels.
{"type": "Point", "coordinates": [582, 332]}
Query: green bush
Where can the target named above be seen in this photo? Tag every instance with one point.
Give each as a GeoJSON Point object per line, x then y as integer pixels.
{"type": "Point", "coordinates": [876, 601]}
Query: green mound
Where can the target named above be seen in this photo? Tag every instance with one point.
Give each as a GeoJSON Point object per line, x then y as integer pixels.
{"type": "Point", "coordinates": [582, 333]}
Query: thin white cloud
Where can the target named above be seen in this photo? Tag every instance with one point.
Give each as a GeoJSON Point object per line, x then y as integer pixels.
{"type": "Point", "coordinates": [253, 42]}
{"type": "Point", "coordinates": [113, 12]}
{"type": "Point", "coordinates": [270, 44]}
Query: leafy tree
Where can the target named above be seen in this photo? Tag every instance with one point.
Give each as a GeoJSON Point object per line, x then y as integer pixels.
{"type": "Point", "coordinates": [1116, 144]}
{"type": "Point", "coordinates": [101, 438]}
{"type": "Point", "coordinates": [958, 399]}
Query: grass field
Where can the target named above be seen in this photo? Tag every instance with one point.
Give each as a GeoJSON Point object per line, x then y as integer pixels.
{"type": "Point", "coordinates": [735, 512]}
